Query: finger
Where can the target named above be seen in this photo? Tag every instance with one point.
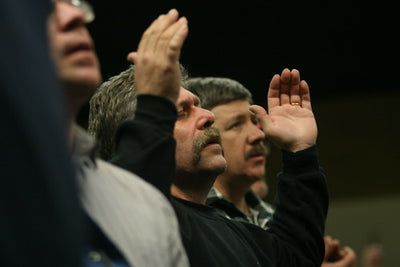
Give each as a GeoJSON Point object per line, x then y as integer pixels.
{"type": "Point", "coordinates": [132, 57]}
{"type": "Point", "coordinates": [350, 258]}
{"type": "Point", "coordinates": [164, 25]}
{"type": "Point", "coordinates": [258, 110]}
{"type": "Point", "coordinates": [331, 249]}
{"type": "Point", "coordinates": [152, 33]}
{"type": "Point", "coordinates": [327, 241]}
{"type": "Point", "coordinates": [274, 99]}
{"type": "Point", "coordinates": [336, 243]}
{"type": "Point", "coordinates": [305, 95]}
{"type": "Point", "coordinates": [177, 41]}
{"type": "Point", "coordinates": [172, 39]}
{"type": "Point", "coordinates": [285, 86]}
{"type": "Point", "coordinates": [144, 40]}
{"type": "Point", "coordinates": [295, 87]}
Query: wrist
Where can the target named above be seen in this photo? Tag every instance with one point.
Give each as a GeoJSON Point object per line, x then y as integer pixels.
{"type": "Point", "coordinates": [300, 161]}
{"type": "Point", "coordinates": [298, 147]}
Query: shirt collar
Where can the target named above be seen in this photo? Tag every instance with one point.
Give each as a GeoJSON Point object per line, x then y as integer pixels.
{"type": "Point", "coordinates": [251, 198]}
{"type": "Point", "coordinates": [83, 145]}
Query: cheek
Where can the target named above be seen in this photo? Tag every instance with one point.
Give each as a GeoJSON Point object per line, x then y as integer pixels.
{"type": "Point", "coordinates": [235, 160]}
{"type": "Point", "coordinates": [234, 155]}
{"type": "Point", "coordinates": [178, 134]}
{"type": "Point", "coordinates": [182, 141]}
{"type": "Point", "coordinates": [232, 145]}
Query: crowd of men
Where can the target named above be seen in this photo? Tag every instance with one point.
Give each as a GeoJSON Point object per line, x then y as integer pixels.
{"type": "Point", "coordinates": [164, 176]}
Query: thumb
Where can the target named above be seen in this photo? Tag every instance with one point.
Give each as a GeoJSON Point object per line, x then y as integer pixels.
{"type": "Point", "coordinates": [349, 258]}
{"type": "Point", "coordinates": [261, 115]}
{"type": "Point", "coordinates": [132, 57]}
{"type": "Point", "coordinates": [332, 249]}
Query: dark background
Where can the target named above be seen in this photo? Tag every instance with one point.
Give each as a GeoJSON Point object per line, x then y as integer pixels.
{"type": "Point", "coordinates": [339, 46]}
{"type": "Point", "coordinates": [347, 52]}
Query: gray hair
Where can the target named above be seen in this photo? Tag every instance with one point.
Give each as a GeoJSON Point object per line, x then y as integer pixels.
{"type": "Point", "coordinates": [113, 103]}
{"type": "Point", "coordinates": [214, 91]}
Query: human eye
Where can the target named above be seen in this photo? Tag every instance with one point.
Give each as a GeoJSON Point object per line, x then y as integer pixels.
{"type": "Point", "coordinates": [182, 114]}
{"type": "Point", "coordinates": [234, 125]}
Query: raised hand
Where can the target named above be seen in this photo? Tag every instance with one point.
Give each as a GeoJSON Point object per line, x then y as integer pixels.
{"type": "Point", "coordinates": [290, 123]}
{"type": "Point", "coordinates": [336, 257]}
{"type": "Point", "coordinates": [157, 69]}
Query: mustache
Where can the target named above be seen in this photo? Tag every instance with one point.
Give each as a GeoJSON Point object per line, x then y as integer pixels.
{"type": "Point", "coordinates": [210, 135]}
{"type": "Point", "coordinates": [258, 149]}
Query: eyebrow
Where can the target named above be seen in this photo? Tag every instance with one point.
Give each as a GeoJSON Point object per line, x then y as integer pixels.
{"type": "Point", "coordinates": [236, 117]}
{"type": "Point", "coordinates": [196, 101]}
{"type": "Point", "coordinates": [189, 101]}
{"type": "Point", "coordinates": [241, 117]}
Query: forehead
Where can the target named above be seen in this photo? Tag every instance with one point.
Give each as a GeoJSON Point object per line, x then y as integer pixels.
{"type": "Point", "coordinates": [232, 110]}
{"type": "Point", "coordinates": [186, 98]}
{"type": "Point", "coordinates": [63, 9]}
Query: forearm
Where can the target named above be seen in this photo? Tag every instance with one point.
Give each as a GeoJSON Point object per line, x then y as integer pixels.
{"type": "Point", "coordinates": [302, 202]}
{"type": "Point", "coordinates": [145, 145]}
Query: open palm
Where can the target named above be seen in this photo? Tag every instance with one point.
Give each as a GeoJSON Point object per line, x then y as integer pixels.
{"type": "Point", "coordinates": [290, 123]}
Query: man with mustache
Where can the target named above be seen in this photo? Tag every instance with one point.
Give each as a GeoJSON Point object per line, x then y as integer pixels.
{"type": "Point", "coordinates": [295, 236]}
{"type": "Point", "coordinates": [245, 152]}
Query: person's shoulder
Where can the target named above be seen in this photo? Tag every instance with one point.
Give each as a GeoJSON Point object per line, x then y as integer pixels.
{"type": "Point", "coordinates": [129, 181]}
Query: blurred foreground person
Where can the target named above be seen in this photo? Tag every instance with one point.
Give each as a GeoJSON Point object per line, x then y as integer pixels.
{"type": "Point", "coordinates": [41, 223]}
{"type": "Point", "coordinates": [120, 206]}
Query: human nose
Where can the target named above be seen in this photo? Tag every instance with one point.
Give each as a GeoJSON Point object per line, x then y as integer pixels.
{"type": "Point", "coordinates": [68, 15]}
{"type": "Point", "coordinates": [207, 119]}
{"type": "Point", "coordinates": [255, 134]}
{"type": "Point", "coordinates": [84, 6]}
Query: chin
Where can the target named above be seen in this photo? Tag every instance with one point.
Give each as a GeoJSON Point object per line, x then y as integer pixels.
{"type": "Point", "coordinates": [86, 79]}
{"type": "Point", "coordinates": [256, 175]}
{"type": "Point", "coordinates": [92, 83]}
{"type": "Point", "coordinates": [221, 168]}
{"type": "Point", "coordinates": [215, 166]}
{"type": "Point", "coordinates": [89, 75]}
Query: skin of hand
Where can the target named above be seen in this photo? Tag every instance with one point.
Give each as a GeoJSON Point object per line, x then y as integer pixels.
{"type": "Point", "coordinates": [290, 127]}
{"type": "Point", "coordinates": [157, 69]}
{"type": "Point", "coordinates": [373, 256]}
{"type": "Point", "coordinates": [336, 257]}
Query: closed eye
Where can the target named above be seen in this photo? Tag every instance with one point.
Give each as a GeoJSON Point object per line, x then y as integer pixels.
{"type": "Point", "coordinates": [182, 114]}
{"type": "Point", "coordinates": [234, 125]}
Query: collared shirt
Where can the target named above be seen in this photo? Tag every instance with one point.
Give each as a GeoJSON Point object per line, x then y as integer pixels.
{"type": "Point", "coordinates": [260, 212]}
{"type": "Point", "coordinates": [136, 217]}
